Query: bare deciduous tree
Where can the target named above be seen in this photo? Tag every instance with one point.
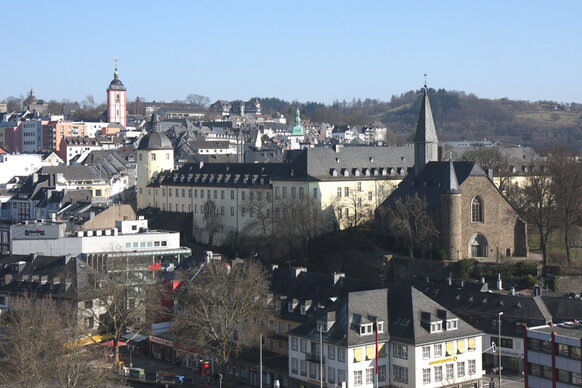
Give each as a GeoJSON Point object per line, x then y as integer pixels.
{"type": "Point", "coordinates": [40, 349]}
{"type": "Point", "coordinates": [536, 202]}
{"type": "Point", "coordinates": [409, 221]}
{"type": "Point", "coordinates": [353, 208]}
{"type": "Point", "coordinates": [123, 298]}
{"type": "Point", "coordinates": [221, 309]}
{"type": "Point", "coordinates": [212, 220]}
{"type": "Point", "coordinates": [566, 174]}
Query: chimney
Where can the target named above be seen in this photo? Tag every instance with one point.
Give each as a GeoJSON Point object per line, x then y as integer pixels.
{"type": "Point", "coordinates": [482, 280]}
{"type": "Point", "coordinates": [91, 215]}
{"type": "Point", "coordinates": [337, 147]}
{"type": "Point", "coordinates": [499, 282]}
{"type": "Point", "coordinates": [200, 164]}
{"type": "Point", "coordinates": [490, 173]}
{"type": "Point", "coordinates": [34, 177]}
{"type": "Point", "coordinates": [450, 279]}
{"type": "Point", "coordinates": [512, 291]}
{"type": "Point", "coordinates": [337, 276]}
{"type": "Point", "coordinates": [537, 290]}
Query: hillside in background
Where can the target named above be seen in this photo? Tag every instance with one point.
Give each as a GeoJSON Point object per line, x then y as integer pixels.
{"type": "Point", "coordinates": [457, 115]}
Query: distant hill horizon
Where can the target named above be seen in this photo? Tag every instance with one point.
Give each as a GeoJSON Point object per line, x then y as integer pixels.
{"type": "Point", "coordinates": [457, 115]}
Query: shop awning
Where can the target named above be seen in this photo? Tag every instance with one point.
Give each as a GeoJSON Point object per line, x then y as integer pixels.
{"type": "Point", "coordinates": [134, 337]}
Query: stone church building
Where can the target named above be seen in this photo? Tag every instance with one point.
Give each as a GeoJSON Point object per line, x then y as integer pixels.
{"type": "Point", "coordinates": [473, 218]}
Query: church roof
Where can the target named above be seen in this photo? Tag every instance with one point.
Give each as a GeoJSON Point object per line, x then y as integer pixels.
{"type": "Point", "coordinates": [435, 179]}
{"type": "Point", "coordinates": [425, 129]}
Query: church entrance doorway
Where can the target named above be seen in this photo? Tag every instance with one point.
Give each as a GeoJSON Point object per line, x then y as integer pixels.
{"type": "Point", "coordinates": [478, 246]}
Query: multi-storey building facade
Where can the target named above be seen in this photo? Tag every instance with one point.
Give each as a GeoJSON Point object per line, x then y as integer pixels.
{"type": "Point", "coordinates": [393, 336]}
{"type": "Point", "coordinates": [54, 133]}
{"type": "Point", "coordinates": [553, 356]}
{"type": "Point", "coordinates": [345, 184]}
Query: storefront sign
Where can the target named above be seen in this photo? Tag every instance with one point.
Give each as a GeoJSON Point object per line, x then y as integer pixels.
{"type": "Point", "coordinates": [454, 358]}
{"type": "Point", "coordinates": [161, 341]}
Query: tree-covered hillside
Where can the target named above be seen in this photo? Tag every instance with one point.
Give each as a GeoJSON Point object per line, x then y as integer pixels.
{"type": "Point", "coordinates": [458, 116]}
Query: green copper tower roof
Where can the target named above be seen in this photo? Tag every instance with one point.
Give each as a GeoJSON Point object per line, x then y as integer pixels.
{"type": "Point", "coordinates": [297, 129]}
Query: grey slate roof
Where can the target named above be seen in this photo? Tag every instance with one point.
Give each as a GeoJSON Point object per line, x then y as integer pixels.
{"type": "Point", "coordinates": [318, 162]}
{"type": "Point", "coordinates": [406, 308]}
{"type": "Point", "coordinates": [425, 129]}
{"type": "Point", "coordinates": [57, 276]}
{"type": "Point", "coordinates": [481, 308]}
{"type": "Point", "coordinates": [402, 308]}
{"type": "Point", "coordinates": [75, 173]}
{"type": "Point", "coordinates": [351, 310]}
{"type": "Point", "coordinates": [434, 180]}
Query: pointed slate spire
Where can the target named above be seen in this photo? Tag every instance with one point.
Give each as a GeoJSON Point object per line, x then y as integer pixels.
{"type": "Point", "coordinates": [425, 129]}
{"type": "Point", "coordinates": [451, 184]}
{"type": "Point", "coordinates": [425, 138]}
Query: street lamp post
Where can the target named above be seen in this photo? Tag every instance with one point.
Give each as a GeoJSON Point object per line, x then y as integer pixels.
{"type": "Point", "coordinates": [499, 346]}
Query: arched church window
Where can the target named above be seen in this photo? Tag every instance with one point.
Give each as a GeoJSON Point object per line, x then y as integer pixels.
{"type": "Point", "coordinates": [477, 210]}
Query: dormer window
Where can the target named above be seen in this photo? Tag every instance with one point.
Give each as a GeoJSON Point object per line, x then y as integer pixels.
{"type": "Point", "coordinates": [278, 305]}
{"type": "Point", "coordinates": [452, 324]}
{"type": "Point", "coordinates": [366, 329]}
{"type": "Point", "coordinates": [436, 327]}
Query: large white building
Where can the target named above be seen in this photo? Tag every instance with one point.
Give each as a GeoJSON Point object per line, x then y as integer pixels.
{"type": "Point", "coordinates": [419, 343]}
{"type": "Point", "coordinates": [12, 165]}
{"type": "Point", "coordinates": [128, 237]}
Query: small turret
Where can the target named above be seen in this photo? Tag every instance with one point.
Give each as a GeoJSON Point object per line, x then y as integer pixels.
{"type": "Point", "coordinates": [451, 213]}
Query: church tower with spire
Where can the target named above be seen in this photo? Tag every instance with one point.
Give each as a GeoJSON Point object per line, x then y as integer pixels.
{"type": "Point", "coordinates": [116, 100]}
{"type": "Point", "coordinates": [426, 143]}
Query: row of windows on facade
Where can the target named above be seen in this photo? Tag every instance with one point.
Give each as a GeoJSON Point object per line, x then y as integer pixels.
{"type": "Point", "coordinates": [436, 373]}
{"type": "Point", "coordinates": [447, 349]}
{"type": "Point", "coordinates": [213, 194]}
{"type": "Point", "coordinates": [144, 244]}
{"type": "Point", "coordinates": [400, 373]}
{"type": "Point", "coordinates": [368, 171]}
{"type": "Point", "coordinates": [299, 367]}
{"type": "Point", "coordinates": [153, 156]}
{"type": "Point", "coordinates": [346, 191]}
{"type": "Point", "coordinates": [559, 349]}
{"type": "Point", "coordinates": [220, 210]}
{"type": "Point", "coordinates": [562, 375]}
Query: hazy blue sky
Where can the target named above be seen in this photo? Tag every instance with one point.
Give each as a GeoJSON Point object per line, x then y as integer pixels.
{"type": "Point", "coordinates": [305, 50]}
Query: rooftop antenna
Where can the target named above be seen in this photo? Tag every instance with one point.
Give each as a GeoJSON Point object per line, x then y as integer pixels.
{"type": "Point", "coordinates": [425, 79]}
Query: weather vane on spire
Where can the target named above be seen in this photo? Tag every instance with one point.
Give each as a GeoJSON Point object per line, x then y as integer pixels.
{"type": "Point", "coordinates": [425, 79]}
{"type": "Point", "coordinates": [115, 61]}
